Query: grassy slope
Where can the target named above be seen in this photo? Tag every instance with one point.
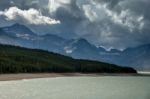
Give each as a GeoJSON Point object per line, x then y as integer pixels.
{"type": "Point", "coordinates": [22, 60]}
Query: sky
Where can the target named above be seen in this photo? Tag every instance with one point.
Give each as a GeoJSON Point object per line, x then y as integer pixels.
{"type": "Point", "coordinates": [115, 24]}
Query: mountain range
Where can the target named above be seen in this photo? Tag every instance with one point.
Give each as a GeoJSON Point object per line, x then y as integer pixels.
{"type": "Point", "coordinates": [20, 35]}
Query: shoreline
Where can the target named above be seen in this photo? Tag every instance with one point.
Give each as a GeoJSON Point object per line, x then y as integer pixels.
{"type": "Point", "coordinates": [11, 77]}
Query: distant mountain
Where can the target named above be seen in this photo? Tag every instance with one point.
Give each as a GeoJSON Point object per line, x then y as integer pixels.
{"type": "Point", "coordinates": [79, 48]}
{"type": "Point", "coordinates": [22, 36]}
{"type": "Point", "coordinates": [18, 29]}
{"type": "Point", "coordinates": [22, 60]}
{"type": "Point", "coordinates": [16, 34]}
{"type": "Point", "coordinates": [138, 57]}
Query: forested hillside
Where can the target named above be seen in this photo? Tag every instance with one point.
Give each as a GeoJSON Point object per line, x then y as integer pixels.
{"type": "Point", "coordinates": [22, 60]}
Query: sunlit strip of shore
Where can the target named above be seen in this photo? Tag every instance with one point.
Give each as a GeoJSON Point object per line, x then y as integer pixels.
{"type": "Point", "coordinates": [144, 72]}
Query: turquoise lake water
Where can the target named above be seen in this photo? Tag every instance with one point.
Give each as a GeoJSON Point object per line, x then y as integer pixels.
{"type": "Point", "coordinates": [106, 87]}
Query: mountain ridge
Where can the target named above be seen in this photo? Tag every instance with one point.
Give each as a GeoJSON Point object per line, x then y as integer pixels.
{"type": "Point", "coordinates": [77, 48]}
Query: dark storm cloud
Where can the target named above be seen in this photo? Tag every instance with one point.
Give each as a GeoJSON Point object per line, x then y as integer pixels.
{"type": "Point", "coordinates": [70, 16]}
{"type": "Point", "coordinates": [111, 3]}
{"type": "Point", "coordinates": [109, 23]}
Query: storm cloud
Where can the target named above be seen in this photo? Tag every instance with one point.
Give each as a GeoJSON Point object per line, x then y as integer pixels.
{"type": "Point", "coordinates": [108, 23]}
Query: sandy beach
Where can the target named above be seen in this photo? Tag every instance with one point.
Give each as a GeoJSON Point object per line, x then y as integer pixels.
{"type": "Point", "coordinates": [9, 77]}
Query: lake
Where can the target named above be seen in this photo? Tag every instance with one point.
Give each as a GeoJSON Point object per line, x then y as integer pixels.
{"type": "Point", "coordinates": [106, 87]}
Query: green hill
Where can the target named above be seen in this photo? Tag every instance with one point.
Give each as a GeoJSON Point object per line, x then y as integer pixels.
{"type": "Point", "coordinates": [22, 60]}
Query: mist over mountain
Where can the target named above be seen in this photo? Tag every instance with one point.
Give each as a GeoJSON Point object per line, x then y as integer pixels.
{"type": "Point", "coordinates": [79, 48]}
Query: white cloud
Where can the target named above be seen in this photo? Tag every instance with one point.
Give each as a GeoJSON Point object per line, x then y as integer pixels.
{"type": "Point", "coordinates": [54, 4]}
{"type": "Point", "coordinates": [30, 16]}
{"type": "Point", "coordinates": [97, 12]}
{"type": "Point", "coordinates": [88, 10]}
{"type": "Point", "coordinates": [127, 19]}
